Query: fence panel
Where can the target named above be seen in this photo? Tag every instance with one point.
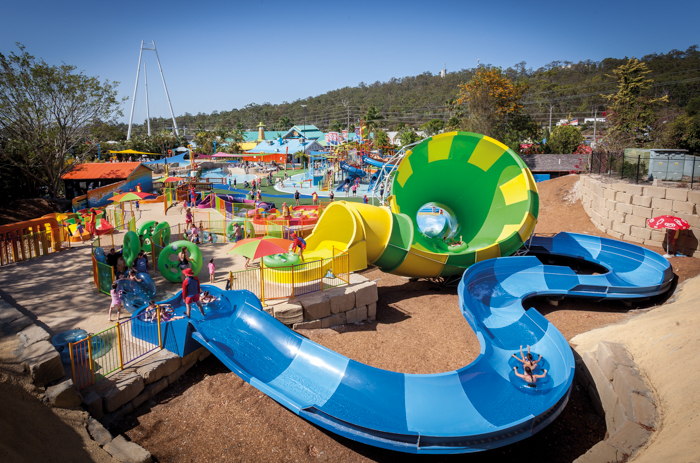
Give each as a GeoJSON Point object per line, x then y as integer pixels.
{"type": "Point", "coordinates": [278, 283]}
{"type": "Point", "coordinates": [308, 277]}
{"type": "Point", "coordinates": [110, 350]}
{"type": "Point", "coordinates": [105, 352]}
{"type": "Point", "coordinates": [642, 166]}
{"type": "Point", "coordinates": [246, 279]}
{"type": "Point", "coordinates": [138, 338]}
{"type": "Point", "coordinates": [105, 277]}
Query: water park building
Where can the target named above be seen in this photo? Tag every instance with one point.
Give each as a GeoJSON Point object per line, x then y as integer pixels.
{"type": "Point", "coordinates": [99, 180]}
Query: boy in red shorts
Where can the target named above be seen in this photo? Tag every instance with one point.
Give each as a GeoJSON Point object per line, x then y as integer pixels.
{"type": "Point", "coordinates": [299, 244]}
{"type": "Point", "coordinates": [190, 291]}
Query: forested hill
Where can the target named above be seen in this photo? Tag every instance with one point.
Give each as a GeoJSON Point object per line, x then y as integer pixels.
{"type": "Point", "coordinates": [563, 87]}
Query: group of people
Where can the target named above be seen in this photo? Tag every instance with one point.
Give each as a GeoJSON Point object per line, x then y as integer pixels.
{"type": "Point", "coordinates": [118, 263]}
{"type": "Point", "coordinates": [529, 364]}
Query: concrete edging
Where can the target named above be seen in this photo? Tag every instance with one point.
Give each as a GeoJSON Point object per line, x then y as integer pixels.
{"type": "Point", "coordinates": [353, 303]}
{"type": "Point", "coordinates": [620, 394]}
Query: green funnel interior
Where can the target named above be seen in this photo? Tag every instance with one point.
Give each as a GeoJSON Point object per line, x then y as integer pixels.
{"type": "Point", "coordinates": [471, 190]}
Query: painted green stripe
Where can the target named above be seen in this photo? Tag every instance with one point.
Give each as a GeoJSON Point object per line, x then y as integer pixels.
{"type": "Point", "coordinates": [399, 243]}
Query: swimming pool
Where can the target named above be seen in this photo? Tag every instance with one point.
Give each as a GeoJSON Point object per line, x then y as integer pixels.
{"type": "Point", "coordinates": [219, 173]}
{"type": "Point", "coordinates": [294, 183]}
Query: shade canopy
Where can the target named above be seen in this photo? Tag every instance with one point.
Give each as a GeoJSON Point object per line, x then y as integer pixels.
{"type": "Point", "coordinates": [173, 179]}
{"type": "Point", "coordinates": [130, 196]}
{"type": "Point", "coordinates": [134, 152]}
{"type": "Point", "coordinates": [253, 248]}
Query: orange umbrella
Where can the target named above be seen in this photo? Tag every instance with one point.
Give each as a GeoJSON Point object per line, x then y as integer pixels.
{"type": "Point", "coordinates": [173, 179]}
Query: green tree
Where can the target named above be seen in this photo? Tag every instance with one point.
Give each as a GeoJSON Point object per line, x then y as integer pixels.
{"type": "Point", "coordinates": [336, 126]}
{"type": "Point", "coordinates": [432, 127]}
{"type": "Point", "coordinates": [284, 123]}
{"type": "Point", "coordinates": [381, 139]}
{"type": "Point", "coordinates": [408, 136]}
{"type": "Point", "coordinates": [632, 110]}
{"type": "Point", "coordinates": [684, 133]}
{"type": "Point", "coordinates": [564, 139]}
{"type": "Point", "coordinates": [46, 114]}
{"type": "Point", "coordinates": [371, 119]}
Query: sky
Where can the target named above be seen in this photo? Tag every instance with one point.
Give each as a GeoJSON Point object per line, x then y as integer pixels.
{"type": "Point", "coordinates": [220, 55]}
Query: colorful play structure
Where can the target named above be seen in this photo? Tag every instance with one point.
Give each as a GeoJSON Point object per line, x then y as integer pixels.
{"type": "Point", "coordinates": [491, 202]}
{"type": "Point", "coordinates": [483, 203]}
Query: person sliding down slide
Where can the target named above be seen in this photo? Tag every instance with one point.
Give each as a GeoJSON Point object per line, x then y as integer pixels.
{"type": "Point", "coordinates": [299, 244]}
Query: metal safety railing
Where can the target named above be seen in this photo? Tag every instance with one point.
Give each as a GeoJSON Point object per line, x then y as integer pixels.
{"type": "Point", "coordinates": [270, 283]}
{"type": "Point", "coordinates": [114, 348]}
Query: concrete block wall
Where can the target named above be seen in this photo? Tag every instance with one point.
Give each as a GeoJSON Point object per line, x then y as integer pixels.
{"type": "Point", "coordinates": [615, 384]}
{"type": "Point", "coordinates": [621, 211]}
{"type": "Point", "coordinates": [42, 364]}
{"type": "Point", "coordinates": [115, 396]}
{"type": "Point", "coordinates": [338, 306]}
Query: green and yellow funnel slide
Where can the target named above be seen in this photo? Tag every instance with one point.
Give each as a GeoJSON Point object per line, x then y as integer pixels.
{"type": "Point", "coordinates": [484, 192]}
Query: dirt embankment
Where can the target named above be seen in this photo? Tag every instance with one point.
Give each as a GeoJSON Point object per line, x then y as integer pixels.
{"type": "Point", "coordinates": [27, 209]}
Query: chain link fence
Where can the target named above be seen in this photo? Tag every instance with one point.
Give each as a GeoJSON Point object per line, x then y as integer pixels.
{"type": "Point", "coordinates": [644, 166]}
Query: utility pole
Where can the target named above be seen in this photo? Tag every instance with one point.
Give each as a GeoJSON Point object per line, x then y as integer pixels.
{"type": "Point", "coordinates": [551, 106]}
{"type": "Point", "coordinates": [346, 103]}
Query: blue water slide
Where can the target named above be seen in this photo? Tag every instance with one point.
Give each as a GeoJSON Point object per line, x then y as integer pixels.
{"type": "Point", "coordinates": [376, 177]}
{"type": "Point", "coordinates": [478, 407]}
{"type": "Point", "coordinates": [352, 174]}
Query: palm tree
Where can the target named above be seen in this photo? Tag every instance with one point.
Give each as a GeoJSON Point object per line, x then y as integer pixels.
{"type": "Point", "coordinates": [284, 123]}
{"type": "Point", "coordinates": [371, 117]}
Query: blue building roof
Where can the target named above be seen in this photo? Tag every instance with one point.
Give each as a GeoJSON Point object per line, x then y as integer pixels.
{"type": "Point", "coordinates": [291, 146]}
{"type": "Point", "coordinates": [308, 131]}
{"type": "Point", "coordinates": [251, 135]}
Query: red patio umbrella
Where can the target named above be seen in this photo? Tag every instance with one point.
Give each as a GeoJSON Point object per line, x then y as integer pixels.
{"type": "Point", "coordinates": [173, 179]}
{"type": "Point", "coordinates": [669, 222]}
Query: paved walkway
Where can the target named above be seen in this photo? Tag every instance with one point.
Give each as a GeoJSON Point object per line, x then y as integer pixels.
{"type": "Point", "coordinates": [58, 291]}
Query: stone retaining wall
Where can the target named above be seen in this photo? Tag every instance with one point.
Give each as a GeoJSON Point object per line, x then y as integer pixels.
{"type": "Point", "coordinates": [614, 383]}
{"type": "Point", "coordinates": [347, 304]}
{"type": "Point", "coordinates": [42, 362]}
{"type": "Point", "coordinates": [119, 394]}
{"type": "Point", "coordinates": [621, 211]}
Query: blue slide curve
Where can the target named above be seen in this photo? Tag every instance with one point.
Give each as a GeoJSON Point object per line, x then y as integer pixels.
{"type": "Point", "coordinates": [353, 173]}
{"type": "Point", "coordinates": [377, 176]}
{"type": "Point", "coordinates": [480, 406]}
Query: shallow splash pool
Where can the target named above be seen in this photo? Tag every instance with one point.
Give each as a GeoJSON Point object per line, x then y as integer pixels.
{"type": "Point", "coordinates": [219, 173]}
{"type": "Point", "coordinates": [293, 183]}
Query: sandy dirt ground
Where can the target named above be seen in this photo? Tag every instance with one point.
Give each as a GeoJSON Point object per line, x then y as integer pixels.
{"type": "Point", "coordinates": [31, 432]}
{"type": "Point", "coordinates": [212, 415]}
{"type": "Point", "coordinates": [664, 343]}
{"type": "Point", "coordinates": [418, 330]}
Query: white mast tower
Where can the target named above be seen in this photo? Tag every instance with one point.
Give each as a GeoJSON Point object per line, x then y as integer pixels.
{"type": "Point", "coordinates": [149, 46]}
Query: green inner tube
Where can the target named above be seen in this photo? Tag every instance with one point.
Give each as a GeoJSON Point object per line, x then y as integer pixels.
{"type": "Point", "coordinates": [131, 247]}
{"type": "Point", "coordinates": [281, 260]}
{"type": "Point", "coordinates": [147, 230]}
{"type": "Point", "coordinates": [249, 229]}
{"type": "Point", "coordinates": [168, 264]}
